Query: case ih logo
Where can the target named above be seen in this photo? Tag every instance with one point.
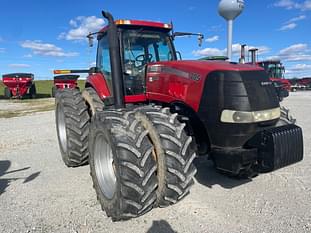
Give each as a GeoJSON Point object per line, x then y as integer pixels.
{"type": "Point", "coordinates": [266, 83]}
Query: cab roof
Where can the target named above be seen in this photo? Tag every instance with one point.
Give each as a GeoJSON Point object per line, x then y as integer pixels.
{"type": "Point", "coordinates": [271, 61]}
{"type": "Point", "coordinates": [140, 23]}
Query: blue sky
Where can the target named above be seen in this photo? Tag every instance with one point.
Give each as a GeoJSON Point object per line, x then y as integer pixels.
{"type": "Point", "coordinates": [39, 36]}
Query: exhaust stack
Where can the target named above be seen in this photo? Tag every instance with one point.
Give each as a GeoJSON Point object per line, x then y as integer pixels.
{"type": "Point", "coordinates": [115, 60]}
{"type": "Point", "coordinates": [253, 55]}
{"type": "Point", "coordinates": [242, 58]}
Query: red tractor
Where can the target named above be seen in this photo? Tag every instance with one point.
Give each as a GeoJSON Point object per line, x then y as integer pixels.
{"type": "Point", "coordinates": [144, 116]}
{"type": "Point", "coordinates": [18, 85]}
{"type": "Point", "coordinates": [274, 69]}
{"type": "Point", "coordinates": [65, 81]}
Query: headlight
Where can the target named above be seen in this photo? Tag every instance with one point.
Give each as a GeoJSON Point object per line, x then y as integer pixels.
{"type": "Point", "coordinates": [231, 116]}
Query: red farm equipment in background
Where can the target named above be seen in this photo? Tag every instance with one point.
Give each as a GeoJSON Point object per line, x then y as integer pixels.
{"type": "Point", "coordinates": [18, 85]}
{"type": "Point", "coordinates": [305, 81]}
{"type": "Point", "coordinates": [274, 69]}
{"type": "Point", "coordinates": [65, 81]}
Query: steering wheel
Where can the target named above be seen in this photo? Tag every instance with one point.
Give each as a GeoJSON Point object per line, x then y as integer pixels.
{"type": "Point", "coordinates": [142, 59]}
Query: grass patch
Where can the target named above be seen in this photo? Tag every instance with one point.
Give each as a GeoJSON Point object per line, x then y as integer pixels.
{"type": "Point", "coordinates": [1, 88]}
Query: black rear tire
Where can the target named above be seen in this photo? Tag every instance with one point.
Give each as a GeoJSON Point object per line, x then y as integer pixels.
{"type": "Point", "coordinates": [32, 91]}
{"type": "Point", "coordinates": [122, 167]}
{"type": "Point", "coordinates": [7, 93]}
{"type": "Point", "coordinates": [174, 153]}
{"type": "Point", "coordinates": [54, 89]}
{"type": "Point", "coordinates": [72, 123]}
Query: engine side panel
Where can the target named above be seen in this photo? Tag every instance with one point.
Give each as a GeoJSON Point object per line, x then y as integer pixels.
{"type": "Point", "coordinates": [167, 84]}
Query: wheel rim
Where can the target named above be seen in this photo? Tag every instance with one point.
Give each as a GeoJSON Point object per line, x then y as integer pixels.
{"type": "Point", "coordinates": [61, 128]}
{"type": "Point", "coordinates": [104, 168]}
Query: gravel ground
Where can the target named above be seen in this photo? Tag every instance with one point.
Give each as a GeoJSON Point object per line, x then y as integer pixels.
{"type": "Point", "coordinates": [39, 194]}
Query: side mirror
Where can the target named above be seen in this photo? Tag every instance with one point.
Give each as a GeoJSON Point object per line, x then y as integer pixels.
{"type": "Point", "coordinates": [200, 36]}
{"type": "Point", "coordinates": [91, 40]}
{"type": "Point", "coordinates": [200, 39]}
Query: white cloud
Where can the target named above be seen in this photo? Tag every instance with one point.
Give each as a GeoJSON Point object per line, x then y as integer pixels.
{"type": "Point", "coordinates": [295, 48]}
{"type": "Point", "coordinates": [300, 67]}
{"type": "Point", "coordinates": [261, 49]}
{"type": "Point", "coordinates": [306, 5]}
{"type": "Point", "coordinates": [295, 19]}
{"type": "Point", "coordinates": [45, 49]}
{"type": "Point", "coordinates": [292, 23]}
{"type": "Point", "coordinates": [209, 52]}
{"type": "Point", "coordinates": [2, 50]}
{"type": "Point", "coordinates": [287, 27]}
{"type": "Point", "coordinates": [81, 27]}
{"type": "Point", "coordinates": [290, 4]}
{"type": "Point", "coordinates": [212, 39]}
{"type": "Point", "coordinates": [19, 66]}
{"type": "Point", "coordinates": [294, 53]}
{"type": "Point", "coordinates": [299, 70]}
{"type": "Point", "coordinates": [236, 50]}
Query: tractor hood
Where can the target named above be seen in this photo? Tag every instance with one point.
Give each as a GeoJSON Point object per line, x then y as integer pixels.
{"type": "Point", "coordinates": [176, 79]}
{"type": "Point", "coordinates": [204, 67]}
{"type": "Point", "coordinates": [213, 88]}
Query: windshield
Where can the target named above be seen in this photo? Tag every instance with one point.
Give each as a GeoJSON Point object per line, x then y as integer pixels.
{"type": "Point", "coordinates": [145, 46]}
{"type": "Point", "coordinates": [276, 71]}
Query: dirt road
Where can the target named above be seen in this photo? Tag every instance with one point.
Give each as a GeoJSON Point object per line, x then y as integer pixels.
{"type": "Point", "coordinates": [39, 194]}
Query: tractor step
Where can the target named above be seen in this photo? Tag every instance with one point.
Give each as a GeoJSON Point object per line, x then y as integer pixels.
{"type": "Point", "coordinates": [234, 161]}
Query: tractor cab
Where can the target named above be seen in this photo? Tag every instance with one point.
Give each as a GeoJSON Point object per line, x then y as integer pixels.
{"type": "Point", "coordinates": [276, 72]}
{"type": "Point", "coordinates": [141, 43]}
{"type": "Point", "coordinates": [274, 68]}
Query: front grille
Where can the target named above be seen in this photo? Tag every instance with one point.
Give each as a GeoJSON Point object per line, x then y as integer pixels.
{"type": "Point", "coordinates": [234, 90]}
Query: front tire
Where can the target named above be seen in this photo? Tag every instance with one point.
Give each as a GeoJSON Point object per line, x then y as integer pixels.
{"type": "Point", "coordinates": [174, 153]}
{"type": "Point", "coordinates": [72, 123]}
{"type": "Point", "coordinates": [122, 167]}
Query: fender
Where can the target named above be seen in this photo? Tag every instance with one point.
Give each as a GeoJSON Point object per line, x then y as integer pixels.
{"type": "Point", "coordinates": [99, 83]}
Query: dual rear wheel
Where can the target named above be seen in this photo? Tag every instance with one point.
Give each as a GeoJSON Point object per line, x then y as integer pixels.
{"type": "Point", "coordinates": [139, 158]}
